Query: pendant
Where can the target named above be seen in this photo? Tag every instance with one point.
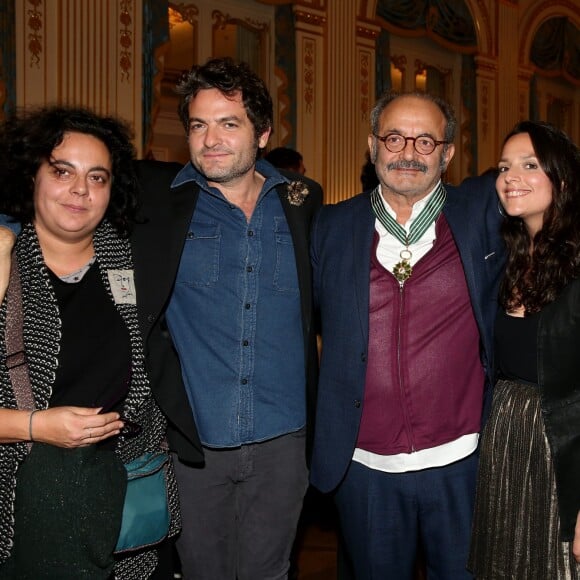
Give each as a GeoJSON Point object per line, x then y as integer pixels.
{"type": "Point", "coordinates": [403, 269]}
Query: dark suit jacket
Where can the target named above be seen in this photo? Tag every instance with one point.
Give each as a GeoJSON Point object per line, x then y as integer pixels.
{"type": "Point", "coordinates": [341, 247]}
{"type": "Point", "coordinates": [558, 372]}
{"type": "Point", "coordinates": [157, 245]}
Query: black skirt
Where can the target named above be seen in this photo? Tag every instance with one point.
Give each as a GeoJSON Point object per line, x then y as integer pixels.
{"type": "Point", "coordinates": [516, 522]}
{"type": "Point", "coordinates": [67, 514]}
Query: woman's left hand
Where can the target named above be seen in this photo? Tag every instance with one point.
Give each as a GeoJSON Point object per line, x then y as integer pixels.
{"type": "Point", "coordinates": [576, 544]}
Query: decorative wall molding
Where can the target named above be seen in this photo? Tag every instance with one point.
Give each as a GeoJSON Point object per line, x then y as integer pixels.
{"type": "Point", "coordinates": [367, 32]}
{"type": "Point", "coordinates": [285, 128]}
{"type": "Point", "coordinates": [34, 29]}
{"type": "Point", "coordinates": [399, 61]}
{"type": "Point", "coordinates": [188, 12]}
{"type": "Point", "coordinates": [532, 19]}
{"type": "Point", "coordinates": [365, 62]}
{"type": "Point", "coordinates": [421, 65]}
{"type": "Point", "coordinates": [126, 39]}
{"type": "Point", "coordinates": [220, 20]}
{"type": "Point", "coordinates": [308, 73]}
{"type": "Point", "coordinates": [484, 113]}
{"type": "Point", "coordinates": [311, 28]}
{"type": "Point", "coordinates": [81, 53]}
{"type": "Point", "coordinates": [309, 18]}
{"type": "Point", "coordinates": [483, 26]}
{"type": "Point", "coordinates": [524, 78]}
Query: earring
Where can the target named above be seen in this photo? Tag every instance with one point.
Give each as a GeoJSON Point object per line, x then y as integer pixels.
{"type": "Point", "coordinates": [501, 210]}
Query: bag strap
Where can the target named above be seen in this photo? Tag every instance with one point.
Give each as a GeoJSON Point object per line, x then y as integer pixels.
{"type": "Point", "coordinates": [15, 356]}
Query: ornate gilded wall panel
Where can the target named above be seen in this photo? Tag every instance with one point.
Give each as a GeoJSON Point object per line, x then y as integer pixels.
{"type": "Point", "coordinates": [311, 102]}
{"type": "Point", "coordinates": [487, 129]}
{"type": "Point", "coordinates": [81, 52]}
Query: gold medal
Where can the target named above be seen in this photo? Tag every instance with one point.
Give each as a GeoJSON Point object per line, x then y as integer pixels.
{"type": "Point", "coordinates": [403, 269]}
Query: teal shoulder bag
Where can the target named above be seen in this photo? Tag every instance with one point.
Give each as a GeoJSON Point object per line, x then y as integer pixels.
{"type": "Point", "coordinates": [146, 514]}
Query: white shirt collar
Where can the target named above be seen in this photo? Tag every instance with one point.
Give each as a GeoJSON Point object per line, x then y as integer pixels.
{"type": "Point", "coordinates": [417, 207]}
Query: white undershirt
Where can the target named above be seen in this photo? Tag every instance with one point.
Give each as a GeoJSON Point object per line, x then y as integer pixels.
{"type": "Point", "coordinates": [388, 254]}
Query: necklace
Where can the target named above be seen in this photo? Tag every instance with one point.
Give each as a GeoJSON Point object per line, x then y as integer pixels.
{"type": "Point", "coordinates": [403, 269]}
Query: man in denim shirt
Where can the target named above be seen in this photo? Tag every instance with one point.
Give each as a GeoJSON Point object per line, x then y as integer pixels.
{"type": "Point", "coordinates": [223, 249]}
{"type": "Point", "coordinates": [240, 318]}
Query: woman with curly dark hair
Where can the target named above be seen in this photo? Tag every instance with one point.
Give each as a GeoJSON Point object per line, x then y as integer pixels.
{"type": "Point", "coordinates": [527, 515]}
{"type": "Point", "coordinates": [67, 175]}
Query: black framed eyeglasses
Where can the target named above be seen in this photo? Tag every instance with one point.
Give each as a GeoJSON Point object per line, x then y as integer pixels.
{"type": "Point", "coordinates": [425, 145]}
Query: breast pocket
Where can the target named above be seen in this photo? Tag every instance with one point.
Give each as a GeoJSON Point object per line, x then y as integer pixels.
{"type": "Point", "coordinates": [285, 276]}
{"type": "Point", "coordinates": [200, 260]}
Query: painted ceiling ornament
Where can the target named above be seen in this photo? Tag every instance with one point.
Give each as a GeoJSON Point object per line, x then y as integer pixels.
{"type": "Point", "coordinates": [297, 193]}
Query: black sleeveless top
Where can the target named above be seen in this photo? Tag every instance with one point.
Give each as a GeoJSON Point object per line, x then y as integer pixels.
{"type": "Point", "coordinates": [516, 347]}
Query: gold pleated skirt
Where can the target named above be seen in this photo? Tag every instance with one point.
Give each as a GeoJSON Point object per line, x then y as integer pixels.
{"type": "Point", "coordinates": [516, 522]}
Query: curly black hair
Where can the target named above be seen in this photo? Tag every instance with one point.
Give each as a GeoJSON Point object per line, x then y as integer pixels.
{"type": "Point", "coordinates": [229, 78]}
{"type": "Point", "coordinates": [27, 140]}
{"type": "Point", "coordinates": [535, 279]}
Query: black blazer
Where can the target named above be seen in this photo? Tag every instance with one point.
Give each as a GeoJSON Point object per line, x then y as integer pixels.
{"type": "Point", "coordinates": [341, 247]}
{"type": "Point", "coordinates": [558, 378]}
{"type": "Point", "coordinates": [157, 242]}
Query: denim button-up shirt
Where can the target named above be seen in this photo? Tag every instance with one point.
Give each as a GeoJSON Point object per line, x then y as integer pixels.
{"type": "Point", "coordinates": [235, 317]}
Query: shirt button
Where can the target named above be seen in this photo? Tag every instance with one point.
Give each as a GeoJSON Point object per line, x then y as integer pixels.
{"type": "Point", "coordinates": [151, 318]}
{"type": "Point", "coordinates": [248, 306]}
{"type": "Point", "coordinates": [189, 235]}
{"type": "Point", "coordinates": [250, 233]}
{"type": "Point", "coordinates": [244, 381]}
{"type": "Point", "coordinates": [246, 342]}
{"type": "Point", "coordinates": [249, 269]}
{"type": "Point", "coordinates": [357, 403]}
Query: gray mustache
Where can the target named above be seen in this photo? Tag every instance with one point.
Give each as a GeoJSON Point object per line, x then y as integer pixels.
{"type": "Point", "coordinates": [407, 165]}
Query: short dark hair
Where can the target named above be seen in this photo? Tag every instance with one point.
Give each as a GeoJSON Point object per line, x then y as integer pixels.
{"type": "Point", "coordinates": [284, 158]}
{"type": "Point", "coordinates": [389, 96]}
{"type": "Point", "coordinates": [27, 140]}
{"type": "Point", "coordinates": [229, 78]}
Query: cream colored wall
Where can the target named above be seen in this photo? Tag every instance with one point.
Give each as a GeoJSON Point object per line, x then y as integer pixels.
{"type": "Point", "coordinates": [86, 52]}
{"type": "Point", "coordinates": [81, 52]}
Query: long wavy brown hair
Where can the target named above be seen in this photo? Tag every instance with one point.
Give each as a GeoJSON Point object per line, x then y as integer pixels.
{"type": "Point", "coordinates": [535, 278]}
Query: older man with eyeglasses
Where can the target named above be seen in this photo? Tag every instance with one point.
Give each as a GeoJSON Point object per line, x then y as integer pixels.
{"type": "Point", "coordinates": [405, 282]}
